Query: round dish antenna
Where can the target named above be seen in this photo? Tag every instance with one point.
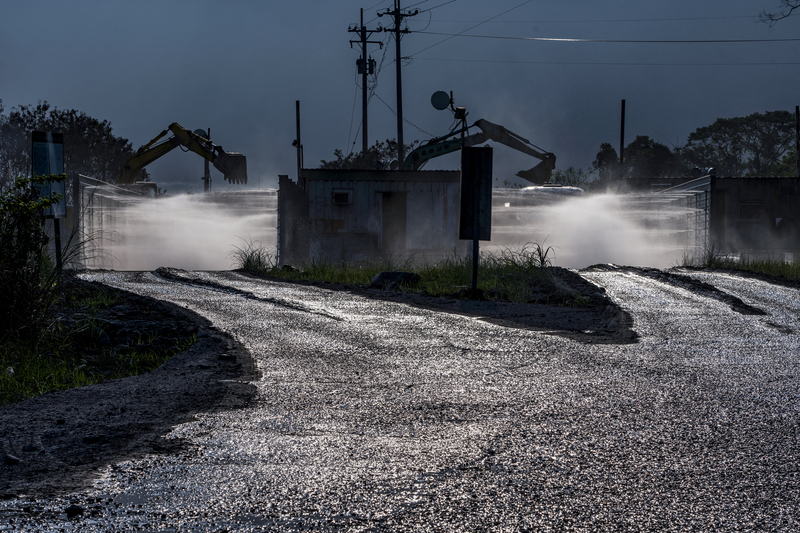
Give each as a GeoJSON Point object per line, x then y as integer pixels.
{"type": "Point", "coordinates": [440, 100]}
{"type": "Point", "coordinates": [201, 133]}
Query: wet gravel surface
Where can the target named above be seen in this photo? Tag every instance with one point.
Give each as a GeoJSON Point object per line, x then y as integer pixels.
{"type": "Point", "coordinates": [376, 415]}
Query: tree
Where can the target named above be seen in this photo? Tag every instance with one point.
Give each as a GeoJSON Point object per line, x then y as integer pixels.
{"type": "Point", "coordinates": [646, 158]}
{"type": "Point", "coordinates": [606, 163]}
{"type": "Point", "coordinates": [788, 165]}
{"type": "Point", "coordinates": [742, 146]}
{"type": "Point", "coordinates": [379, 156]}
{"type": "Point", "coordinates": [786, 8]}
{"type": "Point", "coordinates": [90, 147]}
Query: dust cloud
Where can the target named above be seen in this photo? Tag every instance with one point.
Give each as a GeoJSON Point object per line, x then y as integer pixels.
{"type": "Point", "coordinates": [636, 230]}
{"type": "Point", "coordinates": [191, 232]}
{"type": "Point", "coordinates": [199, 232]}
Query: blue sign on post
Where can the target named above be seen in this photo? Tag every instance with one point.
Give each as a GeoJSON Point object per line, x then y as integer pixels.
{"type": "Point", "coordinates": [48, 158]}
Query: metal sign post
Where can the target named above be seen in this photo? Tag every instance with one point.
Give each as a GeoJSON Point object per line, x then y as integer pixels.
{"type": "Point", "coordinates": [476, 201]}
{"type": "Point", "coordinates": [47, 153]}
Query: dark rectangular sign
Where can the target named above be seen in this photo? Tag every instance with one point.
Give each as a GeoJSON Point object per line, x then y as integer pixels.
{"type": "Point", "coordinates": [48, 158]}
{"type": "Point", "coordinates": [476, 193]}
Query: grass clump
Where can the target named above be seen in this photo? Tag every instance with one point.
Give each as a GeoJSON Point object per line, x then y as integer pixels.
{"type": "Point", "coordinates": [711, 258]}
{"type": "Point", "coordinates": [524, 275]}
{"type": "Point", "coordinates": [256, 258]}
{"type": "Point", "coordinates": [253, 256]}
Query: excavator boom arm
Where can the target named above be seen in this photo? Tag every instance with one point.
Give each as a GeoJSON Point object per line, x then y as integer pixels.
{"type": "Point", "coordinates": [445, 145]}
{"type": "Point", "coordinates": [144, 156]}
{"type": "Point", "coordinates": [537, 175]}
{"type": "Point", "coordinates": [232, 165]}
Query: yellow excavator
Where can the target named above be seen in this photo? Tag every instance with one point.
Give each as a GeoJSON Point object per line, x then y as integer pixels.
{"type": "Point", "coordinates": [538, 175]}
{"type": "Point", "coordinates": [233, 165]}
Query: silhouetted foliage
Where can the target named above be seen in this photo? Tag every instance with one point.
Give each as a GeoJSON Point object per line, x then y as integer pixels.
{"type": "Point", "coordinates": [27, 275]}
{"type": "Point", "coordinates": [643, 158]}
{"type": "Point", "coordinates": [754, 145]}
{"type": "Point", "coordinates": [647, 158]}
{"type": "Point", "coordinates": [606, 163]}
{"type": "Point", "coordinates": [379, 156]}
{"type": "Point", "coordinates": [786, 8]}
{"type": "Point", "coordinates": [90, 147]}
{"type": "Point", "coordinates": [760, 144]}
{"type": "Point", "coordinates": [787, 167]}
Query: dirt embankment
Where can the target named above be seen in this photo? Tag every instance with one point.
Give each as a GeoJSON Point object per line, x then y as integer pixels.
{"type": "Point", "coordinates": [597, 320]}
{"type": "Point", "coordinates": [56, 443]}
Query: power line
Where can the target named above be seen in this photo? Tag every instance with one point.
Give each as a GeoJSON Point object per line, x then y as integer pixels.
{"type": "Point", "coordinates": [353, 115]}
{"type": "Point", "coordinates": [372, 7]}
{"type": "Point", "coordinates": [418, 3]}
{"type": "Point", "coordinates": [476, 25]}
{"type": "Point", "coordinates": [676, 19]}
{"type": "Point", "coordinates": [637, 41]}
{"type": "Point", "coordinates": [375, 5]}
{"type": "Point", "coordinates": [440, 5]}
{"type": "Point", "coordinates": [430, 19]}
{"type": "Point", "coordinates": [374, 85]}
{"type": "Point", "coordinates": [384, 103]}
{"type": "Point", "coordinates": [609, 63]}
{"type": "Point", "coordinates": [405, 119]}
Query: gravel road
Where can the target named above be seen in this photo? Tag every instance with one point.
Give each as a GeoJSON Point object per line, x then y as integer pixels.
{"type": "Point", "coordinates": [379, 415]}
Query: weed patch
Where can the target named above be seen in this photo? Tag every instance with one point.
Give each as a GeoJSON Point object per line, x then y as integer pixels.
{"type": "Point", "coordinates": [525, 275]}
{"type": "Point", "coordinates": [711, 258]}
{"type": "Point", "coordinates": [90, 335]}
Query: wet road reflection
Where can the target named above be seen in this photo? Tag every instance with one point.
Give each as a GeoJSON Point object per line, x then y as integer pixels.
{"type": "Point", "coordinates": [375, 415]}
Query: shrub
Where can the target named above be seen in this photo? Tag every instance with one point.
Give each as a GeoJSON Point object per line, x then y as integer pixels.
{"type": "Point", "coordinates": [253, 256]}
{"type": "Point", "coordinates": [27, 273]}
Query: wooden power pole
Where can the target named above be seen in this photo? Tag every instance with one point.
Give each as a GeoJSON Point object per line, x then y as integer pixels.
{"type": "Point", "coordinates": [399, 15]}
{"type": "Point", "coordinates": [366, 65]}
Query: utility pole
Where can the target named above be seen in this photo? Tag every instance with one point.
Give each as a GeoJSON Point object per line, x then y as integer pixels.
{"type": "Point", "coordinates": [622, 142]}
{"type": "Point", "coordinates": [366, 65]}
{"type": "Point", "coordinates": [398, 19]}
{"type": "Point", "coordinates": [297, 143]}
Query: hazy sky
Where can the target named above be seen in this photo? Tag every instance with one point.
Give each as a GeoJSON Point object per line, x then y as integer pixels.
{"type": "Point", "coordinates": [239, 66]}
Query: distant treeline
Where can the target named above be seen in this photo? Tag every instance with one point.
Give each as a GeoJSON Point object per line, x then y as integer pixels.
{"type": "Point", "coordinates": [90, 147]}
{"type": "Point", "coordinates": [761, 144]}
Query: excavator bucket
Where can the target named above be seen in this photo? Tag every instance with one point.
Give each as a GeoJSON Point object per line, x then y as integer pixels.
{"type": "Point", "coordinates": [540, 174]}
{"type": "Point", "coordinates": [233, 166]}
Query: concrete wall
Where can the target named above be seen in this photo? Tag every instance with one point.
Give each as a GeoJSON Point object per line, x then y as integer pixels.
{"type": "Point", "coordinates": [293, 231]}
{"type": "Point", "coordinates": [363, 215]}
{"type": "Point", "coordinates": [756, 216]}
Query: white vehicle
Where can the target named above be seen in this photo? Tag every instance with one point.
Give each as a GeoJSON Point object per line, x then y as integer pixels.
{"type": "Point", "coordinates": [548, 193]}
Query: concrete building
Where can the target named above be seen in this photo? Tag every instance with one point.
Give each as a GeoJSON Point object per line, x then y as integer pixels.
{"type": "Point", "coordinates": [362, 215]}
{"type": "Point", "coordinates": [756, 216]}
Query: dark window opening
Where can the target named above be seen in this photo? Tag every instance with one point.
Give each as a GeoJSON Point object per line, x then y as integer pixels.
{"type": "Point", "coordinates": [342, 197]}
